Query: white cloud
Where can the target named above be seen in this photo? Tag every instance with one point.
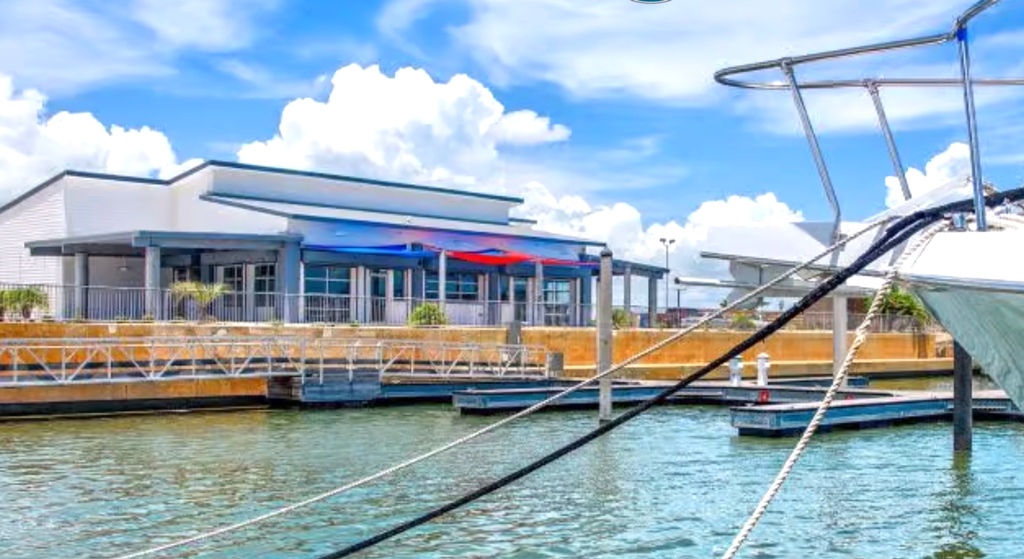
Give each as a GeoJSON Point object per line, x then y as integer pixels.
{"type": "Point", "coordinates": [210, 25]}
{"type": "Point", "coordinates": [34, 147]}
{"type": "Point", "coordinates": [664, 52]}
{"type": "Point", "coordinates": [952, 166]}
{"type": "Point", "coordinates": [62, 47]}
{"type": "Point", "coordinates": [406, 127]}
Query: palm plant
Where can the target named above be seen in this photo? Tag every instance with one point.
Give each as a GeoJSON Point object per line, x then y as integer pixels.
{"type": "Point", "coordinates": [24, 300]}
{"type": "Point", "coordinates": [202, 295]}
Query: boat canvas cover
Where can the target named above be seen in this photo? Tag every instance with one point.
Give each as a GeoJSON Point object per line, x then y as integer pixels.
{"type": "Point", "coordinates": [973, 284]}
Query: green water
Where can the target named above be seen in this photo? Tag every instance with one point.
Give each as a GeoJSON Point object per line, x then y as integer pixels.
{"type": "Point", "coordinates": [674, 483]}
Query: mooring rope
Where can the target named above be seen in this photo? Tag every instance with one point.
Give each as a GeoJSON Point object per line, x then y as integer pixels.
{"type": "Point", "coordinates": [505, 421]}
{"type": "Point", "coordinates": [860, 337]}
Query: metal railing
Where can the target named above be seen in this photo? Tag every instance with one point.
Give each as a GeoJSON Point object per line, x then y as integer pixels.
{"type": "Point", "coordinates": [65, 303]}
{"type": "Point", "coordinates": [45, 362]}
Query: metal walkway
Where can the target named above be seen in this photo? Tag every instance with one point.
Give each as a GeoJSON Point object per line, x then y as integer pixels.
{"type": "Point", "coordinates": [57, 361]}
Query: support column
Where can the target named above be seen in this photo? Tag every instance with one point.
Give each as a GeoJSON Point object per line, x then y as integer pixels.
{"type": "Point", "coordinates": [442, 278]}
{"type": "Point", "coordinates": [81, 285]}
{"type": "Point", "coordinates": [574, 302]}
{"type": "Point", "coordinates": [154, 296]}
{"type": "Point", "coordinates": [538, 301]}
{"type": "Point", "coordinates": [627, 293]}
{"type": "Point", "coordinates": [962, 399]}
{"type": "Point", "coordinates": [289, 272]}
{"type": "Point", "coordinates": [839, 326]}
{"type": "Point", "coordinates": [359, 287]}
{"type": "Point", "coordinates": [494, 298]}
{"type": "Point", "coordinates": [586, 300]}
{"type": "Point", "coordinates": [604, 336]}
{"type": "Point", "coordinates": [652, 302]}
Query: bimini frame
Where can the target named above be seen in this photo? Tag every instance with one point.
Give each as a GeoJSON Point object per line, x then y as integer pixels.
{"type": "Point", "coordinates": [729, 76]}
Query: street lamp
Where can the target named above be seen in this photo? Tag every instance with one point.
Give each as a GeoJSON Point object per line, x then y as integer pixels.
{"type": "Point", "coordinates": [668, 276]}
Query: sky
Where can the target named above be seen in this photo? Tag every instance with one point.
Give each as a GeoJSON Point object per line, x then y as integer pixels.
{"type": "Point", "coordinates": [602, 114]}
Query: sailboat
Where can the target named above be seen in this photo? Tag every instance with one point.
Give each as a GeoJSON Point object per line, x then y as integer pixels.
{"type": "Point", "coordinates": [970, 276]}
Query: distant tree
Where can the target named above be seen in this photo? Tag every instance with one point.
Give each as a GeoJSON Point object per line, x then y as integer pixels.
{"type": "Point", "coordinates": [903, 303]}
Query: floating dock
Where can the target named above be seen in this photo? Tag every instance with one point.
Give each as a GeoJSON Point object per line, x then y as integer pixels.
{"type": "Point", "coordinates": [791, 419]}
{"type": "Point", "coordinates": [719, 393]}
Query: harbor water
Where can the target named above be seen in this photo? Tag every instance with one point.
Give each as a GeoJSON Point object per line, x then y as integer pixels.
{"type": "Point", "coordinates": [676, 482]}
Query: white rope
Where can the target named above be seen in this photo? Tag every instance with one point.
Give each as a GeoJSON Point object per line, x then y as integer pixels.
{"type": "Point", "coordinates": [476, 434]}
{"type": "Point", "coordinates": [837, 382]}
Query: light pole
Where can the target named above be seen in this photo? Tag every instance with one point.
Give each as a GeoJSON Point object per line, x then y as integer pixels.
{"type": "Point", "coordinates": [668, 276]}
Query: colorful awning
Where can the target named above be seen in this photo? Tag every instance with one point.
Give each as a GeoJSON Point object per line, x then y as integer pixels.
{"type": "Point", "coordinates": [489, 257]}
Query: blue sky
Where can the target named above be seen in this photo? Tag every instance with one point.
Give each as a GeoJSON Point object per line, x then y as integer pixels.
{"type": "Point", "coordinates": [630, 82]}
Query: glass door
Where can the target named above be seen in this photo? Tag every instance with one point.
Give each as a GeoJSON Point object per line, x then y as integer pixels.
{"type": "Point", "coordinates": [378, 295]}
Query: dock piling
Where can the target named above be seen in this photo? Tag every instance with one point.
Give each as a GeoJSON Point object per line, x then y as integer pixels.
{"type": "Point", "coordinates": [604, 335]}
{"type": "Point", "coordinates": [763, 364]}
{"type": "Point", "coordinates": [962, 399]}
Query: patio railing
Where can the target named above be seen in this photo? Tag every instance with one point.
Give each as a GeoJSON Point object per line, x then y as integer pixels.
{"type": "Point", "coordinates": [63, 303]}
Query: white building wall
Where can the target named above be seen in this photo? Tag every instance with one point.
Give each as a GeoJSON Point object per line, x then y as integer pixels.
{"type": "Point", "coordinates": [37, 218]}
{"type": "Point", "coordinates": [355, 195]}
{"type": "Point", "coordinates": [189, 213]}
{"type": "Point", "coordinates": [98, 206]}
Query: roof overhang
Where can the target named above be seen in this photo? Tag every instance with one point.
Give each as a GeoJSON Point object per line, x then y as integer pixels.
{"type": "Point", "coordinates": [133, 243]}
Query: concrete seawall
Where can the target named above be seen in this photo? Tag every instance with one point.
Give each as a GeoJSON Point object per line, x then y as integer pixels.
{"type": "Point", "coordinates": [793, 353]}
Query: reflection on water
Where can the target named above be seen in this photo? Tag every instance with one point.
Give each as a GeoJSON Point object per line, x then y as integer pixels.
{"type": "Point", "coordinates": [933, 383]}
{"type": "Point", "coordinates": [674, 483]}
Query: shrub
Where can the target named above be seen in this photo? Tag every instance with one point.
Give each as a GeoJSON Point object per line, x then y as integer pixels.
{"type": "Point", "coordinates": [742, 322]}
{"type": "Point", "coordinates": [428, 314]}
{"type": "Point", "coordinates": [204, 295]}
{"type": "Point", "coordinates": [24, 300]}
{"type": "Point", "coordinates": [620, 319]}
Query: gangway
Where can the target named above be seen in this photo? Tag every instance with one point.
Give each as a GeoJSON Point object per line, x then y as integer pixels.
{"type": "Point", "coordinates": [68, 361]}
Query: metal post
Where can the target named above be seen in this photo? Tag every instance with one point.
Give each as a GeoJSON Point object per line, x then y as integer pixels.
{"type": "Point", "coordinates": [894, 154]}
{"type": "Point", "coordinates": [81, 285]}
{"type": "Point", "coordinates": [962, 399]}
{"type": "Point", "coordinates": [812, 139]}
{"type": "Point", "coordinates": [152, 283]}
{"type": "Point", "coordinates": [538, 274]}
{"type": "Point", "coordinates": [627, 292]}
{"type": "Point", "coordinates": [442, 277]}
{"type": "Point", "coordinates": [972, 129]}
{"type": "Point", "coordinates": [839, 326]}
{"type": "Point", "coordinates": [652, 302]}
{"type": "Point", "coordinates": [604, 335]}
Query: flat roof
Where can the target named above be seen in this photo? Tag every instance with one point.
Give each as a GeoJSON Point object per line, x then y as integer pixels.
{"type": "Point", "coordinates": [254, 168]}
{"type": "Point", "coordinates": [290, 210]}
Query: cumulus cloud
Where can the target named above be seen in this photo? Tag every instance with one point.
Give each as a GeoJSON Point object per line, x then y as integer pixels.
{"type": "Point", "coordinates": [410, 127]}
{"type": "Point", "coordinates": [406, 127]}
{"type": "Point", "coordinates": [33, 147]}
{"type": "Point", "coordinates": [952, 166]}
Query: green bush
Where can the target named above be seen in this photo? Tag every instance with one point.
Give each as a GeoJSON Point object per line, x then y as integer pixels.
{"type": "Point", "coordinates": [23, 300]}
{"type": "Point", "coordinates": [203, 295]}
{"type": "Point", "coordinates": [428, 314]}
{"type": "Point", "coordinates": [904, 303]}
{"type": "Point", "coordinates": [742, 322]}
{"type": "Point", "coordinates": [620, 319]}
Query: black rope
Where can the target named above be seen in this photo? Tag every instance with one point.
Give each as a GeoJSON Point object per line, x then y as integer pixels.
{"type": "Point", "coordinates": [898, 233]}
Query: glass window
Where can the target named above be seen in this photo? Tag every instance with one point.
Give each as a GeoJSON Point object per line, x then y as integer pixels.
{"type": "Point", "coordinates": [557, 292]}
{"type": "Point", "coordinates": [399, 284]}
{"type": "Point", "coordinates": [458, 287]}
{"type": "Point", "coordinates": [265, 284]}
{"type": "Point", "coordinates": [328, 280]}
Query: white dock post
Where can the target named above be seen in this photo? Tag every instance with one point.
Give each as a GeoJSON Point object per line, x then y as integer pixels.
{"type": "Point", "coordinates": [736, 370]}
{"type": "Point", "coordinates": [604, 336]}
{"type": "Point", "coordinates": [763, 364]}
